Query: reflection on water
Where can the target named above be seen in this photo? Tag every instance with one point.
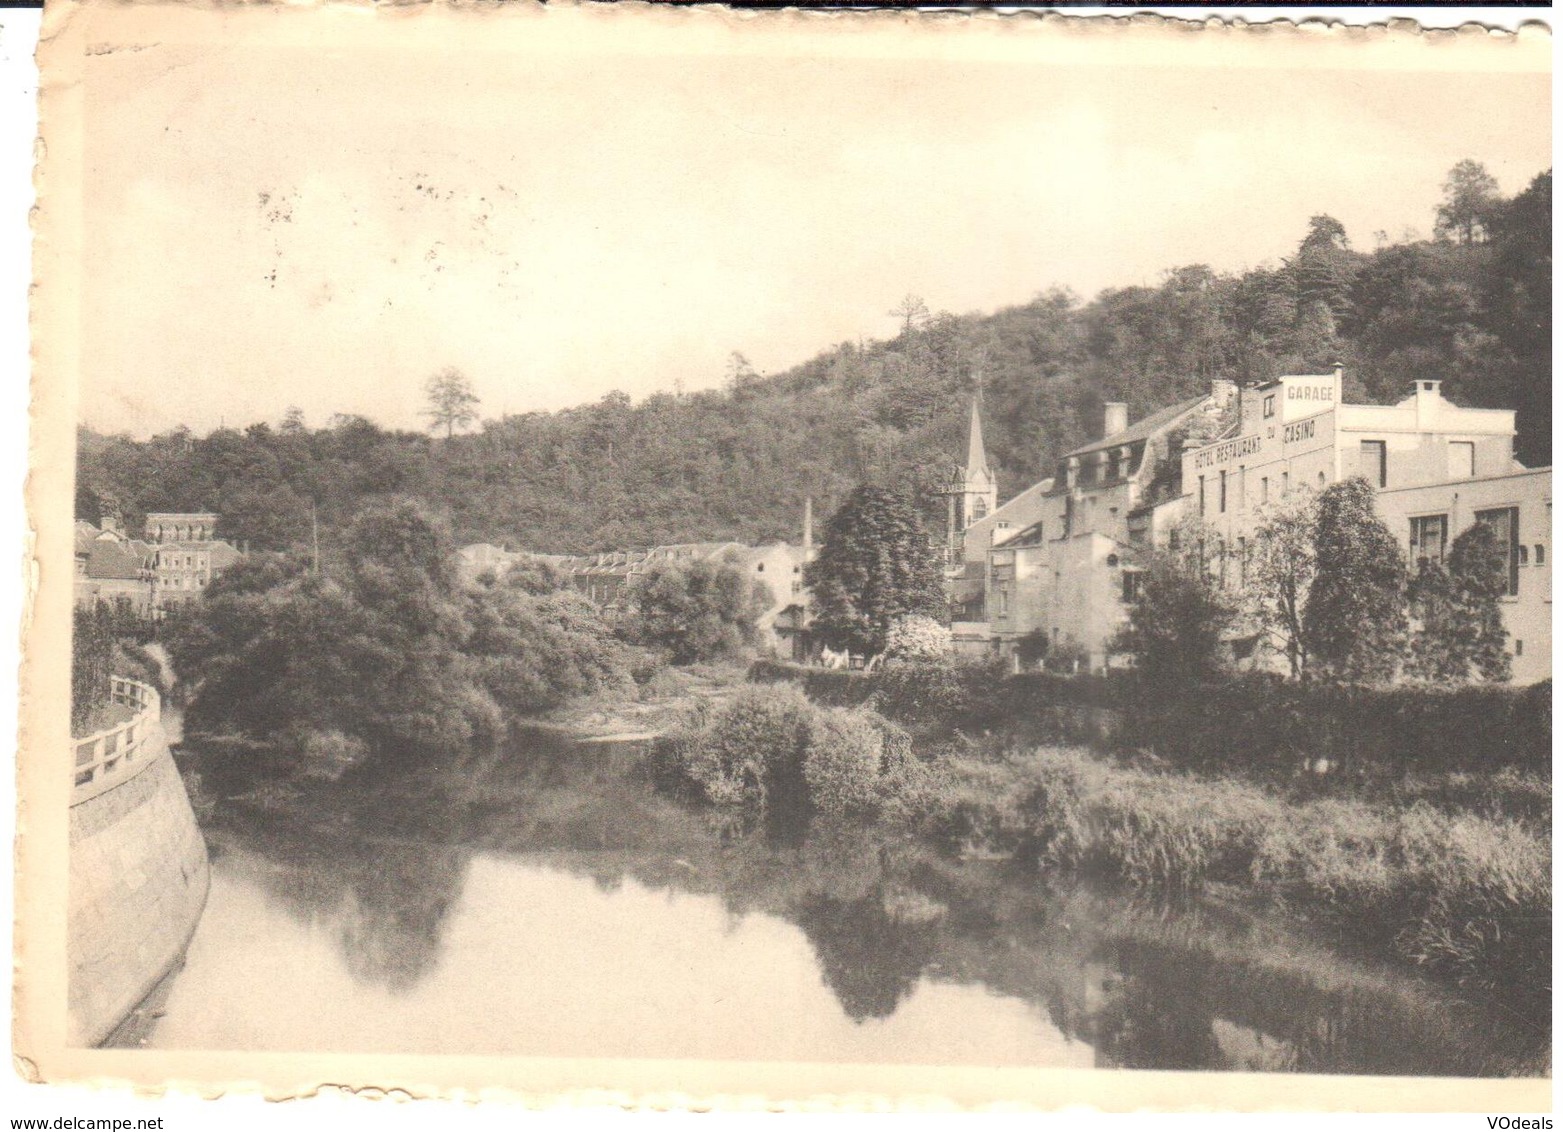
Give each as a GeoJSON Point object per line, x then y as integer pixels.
{"type": "Point", "coordinates": [550, 904]}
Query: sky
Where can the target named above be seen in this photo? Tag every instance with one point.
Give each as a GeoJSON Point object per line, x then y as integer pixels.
{"type": "Point", "coordinates": [324, 221]}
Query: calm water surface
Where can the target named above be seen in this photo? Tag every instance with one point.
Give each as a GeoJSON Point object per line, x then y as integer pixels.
{"type": "Point", "coordinates": [548, 903]}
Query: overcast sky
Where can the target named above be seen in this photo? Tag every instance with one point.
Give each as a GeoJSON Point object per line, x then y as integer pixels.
{"type": "Point", "coordinates": [275, 225]}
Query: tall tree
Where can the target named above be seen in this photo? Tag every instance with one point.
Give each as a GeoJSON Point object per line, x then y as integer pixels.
{"type": "Point", "coordinates": [1460, 634]}
{"type": "Point", "coordinates": [1355, 621]}
{"type": "Point", "coordinates": [1177, 621]}
{"type": "Point", "coordinates": [875, 566]}
{"type": "Point", "coordinates": [912, 312]}
{"type": "Point", "coordinates": [452, 404]}
{"type": "Point", "coordinates": [1470, 198]}
{"type": "Point", "coordinates": [697, 611]}
{"type": "Point", "coordinates": [1280, 572]}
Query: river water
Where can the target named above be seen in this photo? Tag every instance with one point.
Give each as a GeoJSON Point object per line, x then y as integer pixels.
{"type": "Point", "coordinates": [547, 903]}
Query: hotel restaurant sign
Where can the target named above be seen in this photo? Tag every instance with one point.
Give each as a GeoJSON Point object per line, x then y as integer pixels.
{"type": "Point", "coordinates": [1303, 400]}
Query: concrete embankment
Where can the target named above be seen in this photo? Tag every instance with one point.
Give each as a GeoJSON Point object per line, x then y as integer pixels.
{"type": "Point", "coordinates": [138, 868]}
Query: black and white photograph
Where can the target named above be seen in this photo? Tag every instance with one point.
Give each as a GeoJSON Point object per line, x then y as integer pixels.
{"type": "Point", "coordinates": [995, 558]}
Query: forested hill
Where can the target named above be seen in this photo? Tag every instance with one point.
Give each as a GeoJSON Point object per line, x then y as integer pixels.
{"type": "Point", "coordinates": [1471, 307]}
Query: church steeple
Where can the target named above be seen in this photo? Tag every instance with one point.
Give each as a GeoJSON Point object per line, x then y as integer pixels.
{"type": "Point", "coordinates": [973, 491]}
{"type": "Point", "coordinates": [976, 453]}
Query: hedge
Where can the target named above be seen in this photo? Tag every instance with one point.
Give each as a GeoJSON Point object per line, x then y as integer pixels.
{"type": "Point", "coordinates": [1255, 723]}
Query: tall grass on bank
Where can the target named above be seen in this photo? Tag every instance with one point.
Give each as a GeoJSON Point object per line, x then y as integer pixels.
{"type": "Point", "coordinates": [1463, 894]}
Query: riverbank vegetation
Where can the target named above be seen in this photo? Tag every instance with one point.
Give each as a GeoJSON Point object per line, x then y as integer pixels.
{"type": "Point", "coordinates": [385, 655]}
{"type": "Point", "coordinates": [1418, 841]}
{"type": "Point", "coordinates": [1461, 893]}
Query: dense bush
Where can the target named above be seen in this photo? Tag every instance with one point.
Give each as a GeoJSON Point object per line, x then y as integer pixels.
{"type": "Point", "coordinates": [771, 747]}
{"type": "Point", "coordinates": [385, 651]}
{"type": "Point", "coordinates": [1259, 723]}
{"type": "Point", "coordinates": [917, 638]}
{"type": "Point", "coordinates": [1263, 724]}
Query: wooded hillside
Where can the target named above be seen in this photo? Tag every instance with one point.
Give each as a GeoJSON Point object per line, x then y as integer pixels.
{"type": "Point", "coordinates": [1471, 307]}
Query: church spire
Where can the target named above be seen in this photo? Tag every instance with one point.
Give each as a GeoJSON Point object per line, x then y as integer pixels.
{"type": "Point", "coordinates": [976, 453]}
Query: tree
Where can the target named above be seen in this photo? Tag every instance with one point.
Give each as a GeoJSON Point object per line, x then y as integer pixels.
{"type": "Point", "coordinates": [1460, 634]}
{"type": "Point", "coordinates": [452, 404]}
{"type": "Point", "coordinates": [875, 566]}
{"type": "Point", "coordinates": [1280, 572]}
{"type": "Point", "coordinates": [697, 611]}
{"type": "Point", "coordinates": [741, 376]}
{"type": "Point", "coordinates": [1354, 625]}
{"type": "Point", "coordinates": [912, 312]}
{"type": "Point", "coordinates": [1470, 198]}
{"type": "Point", "coordinates": [534, 649]}
{"type": "Point", "coordinates": [1177, 621]}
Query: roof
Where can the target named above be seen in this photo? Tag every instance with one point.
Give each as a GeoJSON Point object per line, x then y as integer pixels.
{"type": "Point", "coordinates": [1143, 428]}
{"type": "Point", "coordinates": [1026, 536]}
{"type": "Point", "coordinates": [111, 560]}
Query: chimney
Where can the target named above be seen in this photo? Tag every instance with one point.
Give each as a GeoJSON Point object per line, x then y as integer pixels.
{"type": "Point", "coordinates": [1115, 418]}
{"type": "Point", "coordinates": [808, 527]}
{"type": "Point", "coordinates": [1427, 398]}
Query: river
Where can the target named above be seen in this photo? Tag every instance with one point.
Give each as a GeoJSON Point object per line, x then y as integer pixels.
{"type": "Point", "coordinates": [546, 902]}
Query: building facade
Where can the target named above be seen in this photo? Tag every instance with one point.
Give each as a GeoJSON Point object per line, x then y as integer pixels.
{"type": "Point", "coordinates": [1060, 561]}
{"type": "Point", "coordinates": [1436, 468]}
{"type": "Point", "coordinates": [186, 554]}
{"type": "Point", "coordinates": [1056, 556]}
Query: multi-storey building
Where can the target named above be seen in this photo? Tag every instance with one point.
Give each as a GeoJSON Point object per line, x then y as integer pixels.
{"type": "Point", "coordinates": [1061, 560]}
{"type": "Point", "coordinates": [1053, 558]}
{"type": "Point", "coordinates": [186, 555]}
{"type": "Point", "coordinates": [1436, 467]}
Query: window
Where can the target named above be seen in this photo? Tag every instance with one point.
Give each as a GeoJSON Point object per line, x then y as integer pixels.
{"type": "Point", "coordinates": [1429, 533]}
{"type": "Point", "coordinates": [1223, 505]}
{"type": "Point", "coordinates": [1242, 561]}
{"type": "Point", "coordinates": [1462, 459]}
{"type": "Point", "coordinates": [1270, 405]}
{"type": "Point", "coordinates": [1541, 555]}
{"type": "Point", "coordinates": [1001, 602]}
{"type": "Point", "coordinates": [1524, 555]}
{"type": "Point", "coordinates": [1321, 481]}
{"type": "Point", "coordinates": [1505, 523]}
{"type": "Point", "coordinates": [1519, 647]}
{"type": "Point", "coordinates": [759, 567]}
{"type": "Point", "coordinates": [1373, 463]}
{"type": "Point", "coordinates": [1242, 487]}
{"type": "Point", "coordinates": [1286, 482]}
{"type": "Point", "coordinates": [979, 509]}
{"type": "Point", "coordinates": [1264, 489]}
{"type": "Point", "coordinates": [1201, 495]}
{"type": "Point", "coordinates": [1131, 586]}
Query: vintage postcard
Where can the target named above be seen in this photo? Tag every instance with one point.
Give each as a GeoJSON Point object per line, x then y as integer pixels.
{"type": "Point", "coordinates": [685, 557]}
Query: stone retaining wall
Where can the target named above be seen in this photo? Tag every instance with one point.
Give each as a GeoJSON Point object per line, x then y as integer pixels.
{"type": "Point", "coordinates": [138, 882]}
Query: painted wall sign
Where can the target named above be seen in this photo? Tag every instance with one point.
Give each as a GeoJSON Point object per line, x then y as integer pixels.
{"type": "Point", "coordinates": [1302, 430]}
{"type": "Point", "coordinates": [1225, 451]}
{"type": "Point", "coordinates": [1305, 396]}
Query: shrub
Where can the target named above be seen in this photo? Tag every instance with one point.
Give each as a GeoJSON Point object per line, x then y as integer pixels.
{"type": "Point", "coordinates": [771, 746]}
{"type": "Point", "coordinates": [747, 751]}
{"type": "Point", "coordinates": [842, 767]}
{"type": "Point", "coordinates": [917, 638]}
